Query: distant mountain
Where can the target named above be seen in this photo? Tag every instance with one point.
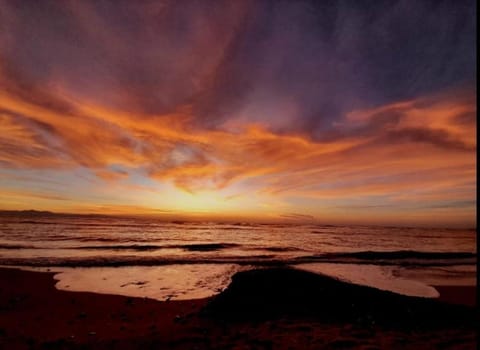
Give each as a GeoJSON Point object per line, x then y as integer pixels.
{"type": "Point", "coordinates": [44, 213]}
{"type": "Point", "coordinates": [30, 212]}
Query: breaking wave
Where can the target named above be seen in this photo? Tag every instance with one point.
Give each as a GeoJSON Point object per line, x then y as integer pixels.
{"type": "Point", "coordinates": [400, 258]}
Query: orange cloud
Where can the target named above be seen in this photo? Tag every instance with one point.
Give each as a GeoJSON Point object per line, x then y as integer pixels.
{"type": "Point", "coordinates": [423, 149]}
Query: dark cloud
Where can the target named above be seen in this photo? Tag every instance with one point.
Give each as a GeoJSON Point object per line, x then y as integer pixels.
{"type": "Point", "coordinates": [275, 106]}
{"type": "Point", "coordinates": [329, 58]}
{"type": "Point", "coordinates": [467, 118]}
{"type": "Point", "coordinates": [438, 138]}
{"type": "Point", "coordinates": [297, 65]}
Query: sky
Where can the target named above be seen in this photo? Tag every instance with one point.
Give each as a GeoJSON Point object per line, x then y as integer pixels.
{"type": "Point", "coordinates": [355, 112]}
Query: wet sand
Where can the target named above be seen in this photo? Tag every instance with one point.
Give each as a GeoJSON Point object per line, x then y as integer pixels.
{"type": "Point", "coordinates": [33, 314]}
{"type": "Point", "coordinates": [460, 295]}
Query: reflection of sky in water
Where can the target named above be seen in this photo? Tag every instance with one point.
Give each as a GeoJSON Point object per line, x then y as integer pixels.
{"type": "Point", "coordinates": [101, 242]}
{"type": "Point", "coordinates": [175, 282]}
{"type": "Point", "coordinates": [374, 276]}
{"type": "Point", "coordinates": [457, 275]}
{"type": "Point", "coordinates": [195, 281]}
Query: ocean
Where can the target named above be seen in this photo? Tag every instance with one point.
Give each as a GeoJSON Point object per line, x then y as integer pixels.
{"type": "Point", "coordinates": [152, 258]}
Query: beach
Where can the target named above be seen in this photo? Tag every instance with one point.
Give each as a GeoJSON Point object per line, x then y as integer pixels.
{"type": "Point", "coordinates": [238, 175]}
{"type": "Point", "coordinates": [34, 314]}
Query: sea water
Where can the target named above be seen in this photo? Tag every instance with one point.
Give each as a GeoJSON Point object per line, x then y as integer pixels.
{"type": "Point", "coordinates": [186, 260]}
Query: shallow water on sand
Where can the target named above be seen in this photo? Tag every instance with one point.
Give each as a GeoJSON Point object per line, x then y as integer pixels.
{"type": "Point", "coordinates": [182, 260]}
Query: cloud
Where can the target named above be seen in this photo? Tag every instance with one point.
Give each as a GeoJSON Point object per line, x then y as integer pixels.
{"type": "Point", "coordinates": [303, 101]}
{"type": "Point", "coordinates": [169, 148]}
{"type": "Point", "coordinates": [298, 65]}
{"type": "Point", "coordinates": [439, 138]}
{"type": "Point", "coordinates": [26, 140]}
{"type": "Point", "coordinates": [25, 194]}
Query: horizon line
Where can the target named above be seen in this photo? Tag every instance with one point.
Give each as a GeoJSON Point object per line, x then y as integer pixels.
{"type": "Point", "coordinates": [192, 218]}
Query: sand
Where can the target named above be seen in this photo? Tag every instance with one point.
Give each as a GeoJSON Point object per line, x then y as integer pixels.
{"type": "Point", "coordinates": [33, 314]}
{"type": "Point", "coordinates": [459, 295]}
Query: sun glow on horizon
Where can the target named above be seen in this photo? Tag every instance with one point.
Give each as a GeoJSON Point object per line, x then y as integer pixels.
{"type": "Point", "coordinates": [254, 171]}
{"type": "Point", "coordinates": [225, 118]}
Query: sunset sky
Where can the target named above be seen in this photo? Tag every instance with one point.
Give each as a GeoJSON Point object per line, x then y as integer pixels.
{"type": "Point", "coordinates": [334, 111]}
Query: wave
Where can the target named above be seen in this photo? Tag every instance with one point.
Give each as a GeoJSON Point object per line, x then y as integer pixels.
{"type": "Point", "coordinates": [398, 258]}
{"type": "Point", "coordinates": [137, 247]}
{"type": "Point", "coordinates": [200, 247]}
{"type": "Point", "coordinates": [235, 228]}
{"type": "Point", "coordinates": [208, 246]}
{"type": "Point", "coordinates": [16, 246]}
{"type": "Point", "coordinates": [279, 249]}
{"type": "Point", "coordinates": [118, 261]}
{"type": "Point", "coordinates": [31, 222]}
{"type": "Point", "coordinates": [401, 254]}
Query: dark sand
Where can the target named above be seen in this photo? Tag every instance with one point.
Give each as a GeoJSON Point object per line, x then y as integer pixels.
{"type": "Point", "coordinates": [461, 295]}
{"type": "Point", "coordinates": [269, 309]}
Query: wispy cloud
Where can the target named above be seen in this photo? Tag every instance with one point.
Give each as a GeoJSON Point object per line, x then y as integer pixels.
{"type": "Point", "coordinates": [397, 154]}
{"type": "Point", "coordinates": [304, 103]}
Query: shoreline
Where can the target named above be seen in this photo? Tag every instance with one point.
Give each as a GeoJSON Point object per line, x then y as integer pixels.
{"type": "Point", "coordinates": [459, 294]}
{"type": "Point", "coordinates": [34, 314]}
